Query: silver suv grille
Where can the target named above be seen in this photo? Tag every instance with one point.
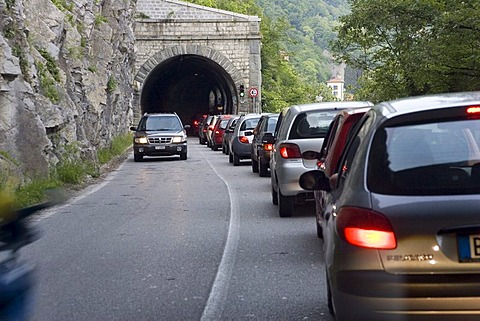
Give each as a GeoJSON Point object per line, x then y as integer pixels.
{"type": "Point", "coordinates": [160, 140]}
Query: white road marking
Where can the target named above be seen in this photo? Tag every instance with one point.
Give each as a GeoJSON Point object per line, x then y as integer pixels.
{"type": "Point", "coordinates": [218, 294]}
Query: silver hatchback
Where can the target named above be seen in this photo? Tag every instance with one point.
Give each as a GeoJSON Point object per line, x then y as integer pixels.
{"type": "Point", "coordinates": [299, 128]}
{"type": "Point", "coordinates": [402, 215]}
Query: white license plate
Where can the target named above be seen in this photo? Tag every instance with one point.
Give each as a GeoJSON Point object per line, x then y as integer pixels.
{"type": "Point", "coordinates": [159, 147]}
{"type": "Point", "coordinates": [475, 246]}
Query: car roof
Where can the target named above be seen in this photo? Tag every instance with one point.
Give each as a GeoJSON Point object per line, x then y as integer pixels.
{"type": "Point", "coordinates": [329, 105]}
{"type": "Point", "coordinates": [429, 102]}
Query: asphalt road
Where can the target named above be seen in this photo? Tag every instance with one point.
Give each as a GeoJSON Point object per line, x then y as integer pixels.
{"type": "Point", "coordinates": [166, 239]}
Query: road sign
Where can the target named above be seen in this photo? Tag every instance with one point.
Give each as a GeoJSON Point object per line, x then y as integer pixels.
{"type": "Point", "coordinates": [253, 92]}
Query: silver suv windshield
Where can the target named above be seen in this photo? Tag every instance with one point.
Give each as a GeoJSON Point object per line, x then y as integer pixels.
{"type": "Point", "coordinates": [435, 158]}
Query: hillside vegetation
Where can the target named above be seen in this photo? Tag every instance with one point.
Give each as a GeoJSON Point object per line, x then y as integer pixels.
{"type": "Point", "coordinates": [296, 35]}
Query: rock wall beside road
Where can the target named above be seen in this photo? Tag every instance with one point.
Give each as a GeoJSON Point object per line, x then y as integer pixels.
{"type": "Point", "coordinates": [66, 68]}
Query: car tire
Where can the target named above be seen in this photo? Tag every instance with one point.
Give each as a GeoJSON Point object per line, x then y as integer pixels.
{"type": "Point", "coordinates": [263, 169]}
{"type": "Point", "coordinates": [223, 149]}
{"type": "Point", "coordinates": [236, 160]}
{"type": "Point", "coordinates": [137, 157]}
{"type": "Point", "coordinates": [285, 205]}
{"type": "Point", "coordinates": [331, 309]}
{"type": "Point", "coordinates": [215, 148]}
{"type": "Point", "coordinates": [254, 166]}
{"type": "Point", "coordinates": [183, 156]}
{"type": "Point", "coordinates": [230, 158]}
{"type": "Point", "coordinates": [319, 229]}
{"type": "Point", "coordinates": [274, 197]}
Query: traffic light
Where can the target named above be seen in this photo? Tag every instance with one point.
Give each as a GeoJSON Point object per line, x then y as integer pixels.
{"type": "Point", "coordinates": [242, 91]}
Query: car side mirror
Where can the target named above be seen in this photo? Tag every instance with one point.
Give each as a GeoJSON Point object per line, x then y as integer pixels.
{"type": "Point", "coordinates": [134, 129]}
{"type": "Point", "coordinates": [268, 138]}
{"type": "Point", "coordinates": [314, 180]}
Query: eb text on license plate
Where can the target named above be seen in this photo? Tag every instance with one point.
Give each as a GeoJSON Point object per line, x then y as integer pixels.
{"type": "Point", "coordinates": [469, 247]}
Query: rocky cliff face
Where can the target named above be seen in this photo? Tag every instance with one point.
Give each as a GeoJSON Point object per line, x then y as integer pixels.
{"type": "Point", "coordinates": [66, 68]}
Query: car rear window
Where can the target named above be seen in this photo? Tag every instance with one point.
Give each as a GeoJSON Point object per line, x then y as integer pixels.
{"type": "Point", "coordinates": [438, 158]}
{"type": "Point", "coordinates": [249, 124]}
{"type": "Point", "coordinates": [312, 124]}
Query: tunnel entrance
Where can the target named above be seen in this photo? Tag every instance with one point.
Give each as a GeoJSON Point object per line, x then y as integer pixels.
{"type": "Point", "coordinates": [189, 85]}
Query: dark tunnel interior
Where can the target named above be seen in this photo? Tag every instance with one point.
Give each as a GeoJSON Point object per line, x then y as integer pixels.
{"type": "Point", "coordinates": [190, 86]}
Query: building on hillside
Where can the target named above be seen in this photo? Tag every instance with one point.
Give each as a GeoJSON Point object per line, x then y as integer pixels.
{"type": "Point", "coordinates": [338, 86]}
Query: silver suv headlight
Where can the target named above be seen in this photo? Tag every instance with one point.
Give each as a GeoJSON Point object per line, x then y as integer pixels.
{"type": "Point", "coordinates": [141, 140]}
{"type": "Point", "coordinates": [179, 139]}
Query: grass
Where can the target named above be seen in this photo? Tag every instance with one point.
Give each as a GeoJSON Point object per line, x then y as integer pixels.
{"type": "Point", "coordinates": [67, 174]}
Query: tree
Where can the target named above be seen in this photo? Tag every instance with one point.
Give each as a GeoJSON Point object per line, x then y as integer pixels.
{"type": "Point", "coordinates": [411, 47]}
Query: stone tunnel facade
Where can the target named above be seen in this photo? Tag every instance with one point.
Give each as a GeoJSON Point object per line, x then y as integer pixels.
{"type": "Point", "coordinates": [195, 60]}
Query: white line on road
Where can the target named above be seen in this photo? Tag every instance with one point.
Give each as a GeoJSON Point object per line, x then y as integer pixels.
{"type": "Point", "coordinates": [218, 294]}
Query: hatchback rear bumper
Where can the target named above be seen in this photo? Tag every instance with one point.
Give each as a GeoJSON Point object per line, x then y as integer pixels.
{"type": "Point", "coordinates": [376, 295]}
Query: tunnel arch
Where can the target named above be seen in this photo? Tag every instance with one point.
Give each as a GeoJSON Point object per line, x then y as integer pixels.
{"type": "Point", "coordinates": [189, 80]}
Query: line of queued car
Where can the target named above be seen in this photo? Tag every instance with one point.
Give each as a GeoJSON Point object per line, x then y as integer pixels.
{"type": "Point", "coordinates": [396, 191]}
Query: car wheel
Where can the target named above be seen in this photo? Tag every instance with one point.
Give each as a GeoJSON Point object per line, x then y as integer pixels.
{"type": "Point", "coordinates": [263, 169]}
{"type": "Point", "coordinates": [236, 159]}
{"type": "Point", "coordinates": [223, 149]}
{"type": "Point", "coordinates": [230, 158]}
{"type": "Point", "coordinates": [254, 166]}
{"type": "Point", "coordinates": [215, 147]}
{"type": "Point", "coordinates": [319, 230]}
{"type": "Point", "coordinates": [274, 197]}
{"type": "Point", "coordinates": [183, 156]}
{"type": "Point", "coordinates": [285, 205]}
{"type": "Point", "coordinates": [137, 157]}
{"type": "Point", "coordinates": [200, 141]}
{"type": "Point", "coordinates": [329, 296]}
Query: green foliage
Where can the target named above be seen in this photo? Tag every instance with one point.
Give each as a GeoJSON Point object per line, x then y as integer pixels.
{"type": "Point", "coordinates": [51, 64]}
{"type": "Point", "coordinates": [411, 47]}
{"type": "Point", "coordinates": [72, 169]}
{"type": "Point", "coordinates": [118, 146]}
{"type": "Point", "coordinates": [34, 192]}
{"type": "Point", "coordinates": [112, 84]}
{"type": "Point", "coordinates": [99, 19]}
{"type": "Point", "coordinates": [63, 5]}
{"type": "Point", "coordinates": [282, 84]}
{"type": "Point", "coordinates": [7, 156]}
{"type": "Point", "coordinates": [47, 84]}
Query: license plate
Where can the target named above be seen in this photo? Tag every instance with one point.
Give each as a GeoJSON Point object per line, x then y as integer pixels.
{"type": "Point", "coordinates": [159, 147]}
{"type": "Point", "coordinates": [469, 248]}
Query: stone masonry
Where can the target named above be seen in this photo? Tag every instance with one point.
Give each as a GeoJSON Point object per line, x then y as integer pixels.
{"type": "Point", "coordinates": [167, 28]}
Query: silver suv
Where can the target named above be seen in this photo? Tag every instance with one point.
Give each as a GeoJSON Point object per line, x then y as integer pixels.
{"type": "Point", "coordinates": [299, 128]}
{"type": "Point", "coordinates": [160, 134]}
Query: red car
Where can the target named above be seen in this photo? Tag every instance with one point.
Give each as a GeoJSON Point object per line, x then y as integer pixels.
{"type": "Point", "coordinates": [218, 131]}
{"type": "Point", "coordinates": [331, 152]}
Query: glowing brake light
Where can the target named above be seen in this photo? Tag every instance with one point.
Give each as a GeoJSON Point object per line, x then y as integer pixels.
{"type": "Point", "coordinates": [290, 151]}
{"type": "Point", "coordinates": [365, 228]}
{"type": "Point", "coordinates": [243, 139]}
{"type": "Point", "coordinates": [268, 147]}
{"type": "Point", "coordinates": [473, 110]}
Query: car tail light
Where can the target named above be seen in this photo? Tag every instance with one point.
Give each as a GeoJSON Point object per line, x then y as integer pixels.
{"type": "Point", "coordinates": [210, 127]}
{"type": "Point", "coordinates": [365, 228]}
{"type": "Point", "coordinates": [290, 151]}
{"type": "Point", "coordinates": [320, 164]}
{"type": "Point", "coordinates": [268, 147]}
{"type": "Point", "coordinates": [473, 110]}
{"type": "Point", "coordinates": [195, 123]}
{"type": "Point", "coordinates": [243, 139]}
